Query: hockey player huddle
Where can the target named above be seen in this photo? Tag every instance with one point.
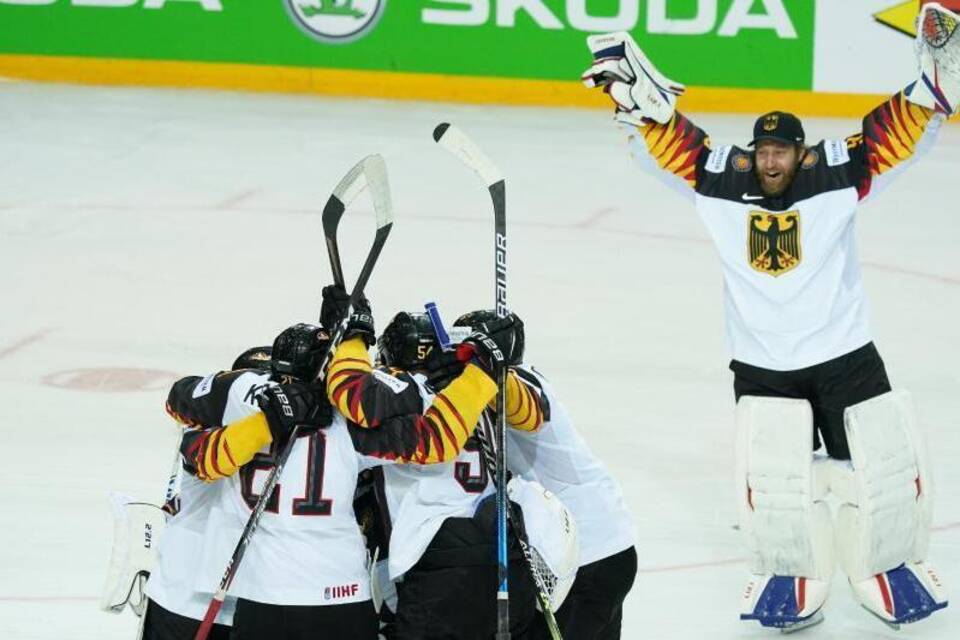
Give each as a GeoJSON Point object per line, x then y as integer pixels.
{"type": "Point", "coordinates": [383, 521]}
{"type": "Point", "coordinates": [405, 430]}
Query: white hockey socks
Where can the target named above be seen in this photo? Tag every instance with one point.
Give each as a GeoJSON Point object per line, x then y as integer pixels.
{"type": "Point", "coordinates": [883, 525]}
{"type": "Point", "coordinates": [787, 525]}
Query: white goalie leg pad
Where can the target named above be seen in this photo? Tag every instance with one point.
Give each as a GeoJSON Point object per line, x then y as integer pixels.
{"type": "Point", "coordinates": [883, 523]}
{"type": "Point", "coordinates": [552, 535]}
{"type": "Point", "coordinates": [136, 530]}
{"type": "Point", "coordinates": [788, 528]}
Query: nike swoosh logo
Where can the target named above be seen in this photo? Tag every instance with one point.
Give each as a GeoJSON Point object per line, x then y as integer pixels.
{"type": "Point", "coordinates": [747, 196]}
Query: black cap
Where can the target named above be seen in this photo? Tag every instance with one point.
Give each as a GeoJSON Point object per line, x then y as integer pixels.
{"type": "Point", "coordinates": [778, 125]}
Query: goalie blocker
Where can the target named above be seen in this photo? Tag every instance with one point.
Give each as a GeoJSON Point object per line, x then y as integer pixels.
{"type": "Point", "coordinates": [882, 526]}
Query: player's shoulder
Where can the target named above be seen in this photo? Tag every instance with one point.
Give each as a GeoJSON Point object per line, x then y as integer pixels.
{"type": "Point", "coordinates": [826, 166]}
{"type": "Point", "coordinates": [834, 152]}
{"type": "Point", "coordinates": [530, 374]}
{"type": "Point", "coordinates": [727, 173]}
{"type": "Point", "coordinates": [729, 157]}
{"type": "Point", "coordinates": [245, 384]}
{"type": "Point", "coordinates": [203, 400]}
{"type": "Point", "coordinates": [396, 380]}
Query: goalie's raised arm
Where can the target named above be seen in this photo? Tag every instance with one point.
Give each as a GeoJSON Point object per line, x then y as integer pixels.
{"type": "Point", "coordinates": [662, 138]}
{"type": "Point", "coordinates": [904, 127]}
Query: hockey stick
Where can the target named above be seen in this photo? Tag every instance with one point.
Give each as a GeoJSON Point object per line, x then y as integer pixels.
{"type": "Point", "coordinates": [384, 215]}
{"type": "Point", "coordinates": [371, 171]}
{"type": "Point", "coordinates": [489, 457]}
{"type": "Point", "coordinates": [456, 142]}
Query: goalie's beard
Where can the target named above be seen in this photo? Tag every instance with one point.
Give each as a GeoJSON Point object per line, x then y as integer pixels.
{"type": "Point", "coordinates": [773, 188]}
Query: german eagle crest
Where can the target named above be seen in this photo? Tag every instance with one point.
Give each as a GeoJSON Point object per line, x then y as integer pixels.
{"type": "Point", "coordinates": [773, 241]}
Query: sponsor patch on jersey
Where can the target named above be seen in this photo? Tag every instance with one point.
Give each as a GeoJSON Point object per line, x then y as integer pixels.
{"type": "Point", "coordinates": [773, 241]}
{"type": "Point", "coordinates": [742, 163]}
{"type": "Point", "coordinates": [717, 161]}
{"type": "Point", "coordinates": [837, 152]}
{"type": "Point", "coordinates": [204, 386]}
{"type": "Point", "coordinates": [810, 160]}
{"type": "Point", "coordinates": [396, 385]}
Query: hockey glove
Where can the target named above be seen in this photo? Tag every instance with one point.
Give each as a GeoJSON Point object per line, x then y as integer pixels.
{"type": "Point", "coordinates": [938, 56]}
{"type": "Point", "coordinates": [442, 368]}
{"type": "Point", "coordinates": [640, 92]}
{"type": "Point", "coordinates": [334, 307]}
{"type": "Point", "coordinates": [494, 345]}
{"type": "Point", "coordinates": [294, 403]}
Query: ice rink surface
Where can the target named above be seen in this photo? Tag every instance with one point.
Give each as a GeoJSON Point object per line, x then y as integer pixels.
{"type": "Point", "coordinates": [149, 234]}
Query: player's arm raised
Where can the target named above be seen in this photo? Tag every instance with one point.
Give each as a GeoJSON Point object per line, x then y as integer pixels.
{"type": "Point", "coordinates": [662, 139]}
{"type": "Point", "coordinates": [366, 396]}
{"type": "Point", "coordinates": [904, 127]}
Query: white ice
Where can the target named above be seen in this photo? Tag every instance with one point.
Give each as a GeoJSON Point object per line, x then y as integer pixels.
{"type": "Point", "coordinates": [165, 231]}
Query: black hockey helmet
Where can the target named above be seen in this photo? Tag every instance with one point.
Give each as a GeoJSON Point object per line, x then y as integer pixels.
{"type": "Point", "coordinates": [298, 351]}
{"type": "Point", "coordinates": [254, 358]}
{"type": "Point", "coordinates": [407, 341]}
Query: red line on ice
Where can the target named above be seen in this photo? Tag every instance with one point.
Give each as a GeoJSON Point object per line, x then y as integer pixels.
{"type": "Point", "coordinates": [23, 342]}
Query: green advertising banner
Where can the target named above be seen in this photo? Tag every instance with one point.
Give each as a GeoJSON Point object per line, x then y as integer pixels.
{"type": "Point", "coordinates": [713, 43]}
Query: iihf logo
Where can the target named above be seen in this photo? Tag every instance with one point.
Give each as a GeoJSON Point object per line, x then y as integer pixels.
{"type": "Point", "coordinates": [335, 21]}
{"type": "Point", "coordinates": [341, 591]}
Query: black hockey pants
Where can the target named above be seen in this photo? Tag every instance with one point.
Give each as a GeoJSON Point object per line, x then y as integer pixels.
{"type": "Point", "coordinates": [830, 387]}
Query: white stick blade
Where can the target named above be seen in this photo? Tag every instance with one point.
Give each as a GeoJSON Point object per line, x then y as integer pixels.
{"type": "Point", "coordinates": [352, 184]}
{"type": "Point", "coordinates": [451, 138]}
{"type": "Point", "coordinates": [376, 172]}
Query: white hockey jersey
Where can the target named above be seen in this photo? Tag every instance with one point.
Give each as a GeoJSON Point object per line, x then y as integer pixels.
{"type": "Point", "coordinates": [419, 498]}
{"type": "Point", "coordinates": [557, 457]}
{"type": "Point", "coordinates": [180, 551]}
{"type": "Point", "coordinates": [793, 294]}
{"type": "Point", "coordinates": [308, 549]}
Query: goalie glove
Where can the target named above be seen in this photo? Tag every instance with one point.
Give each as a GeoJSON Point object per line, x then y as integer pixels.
{"type": "Point", "coordinates": [938, 54]}
{"type": "Point", "coordinates": [640, 92]}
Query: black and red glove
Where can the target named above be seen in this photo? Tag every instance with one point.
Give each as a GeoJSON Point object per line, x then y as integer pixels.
{"type": "Point", "coordinates": [293, 403]}
{"type": "Point", "coordinates": [494, 345]}
{"type": "Point", "coordinates": [334, 307]}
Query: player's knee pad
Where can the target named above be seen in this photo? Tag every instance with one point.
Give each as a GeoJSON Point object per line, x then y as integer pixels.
{"type": "Point", "coordinates": [781, 489]}
{"type": "Point", "coordinates": [883, 522]}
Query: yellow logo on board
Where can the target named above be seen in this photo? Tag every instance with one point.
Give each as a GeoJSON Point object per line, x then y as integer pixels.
{"type": "Point", "coordinates": [901, 16]}
{"type": "Point", "coordinates": [773, 241]}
